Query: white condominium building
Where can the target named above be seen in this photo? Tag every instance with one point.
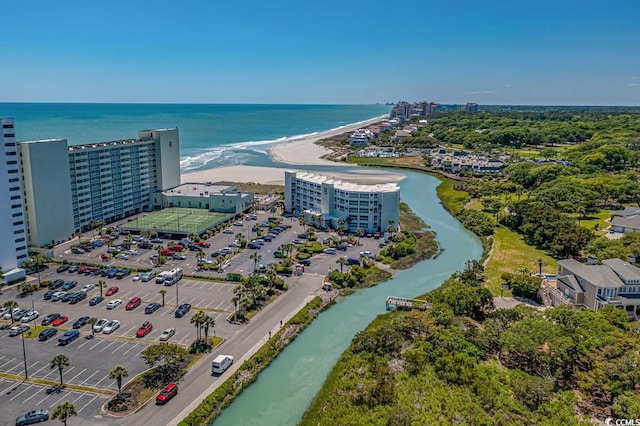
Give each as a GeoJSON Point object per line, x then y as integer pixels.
{"type": "Point", "coordinates": [325, 201]}
{"type": "Point", "coordinates": [67, 187]}
{"type": "Point", "coordinates": [12, 221]}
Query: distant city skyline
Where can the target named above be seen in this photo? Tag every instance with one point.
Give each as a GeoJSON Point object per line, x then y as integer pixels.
{"type": "Point", "coordinates": [330, 52]}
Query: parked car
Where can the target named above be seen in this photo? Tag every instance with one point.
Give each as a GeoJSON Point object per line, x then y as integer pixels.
{"type": "Point", "coordinates": [87, 288]}
{"type": "Point", "coordinates": [167, 334]}
{"type": "Point", "coordinates": [111, 326]}
{"type": "Point", "coordinates": [49, 319]}
{"type": "Point", "coordinates": [68, 337]}
{"type": "Point", "coordinates": [352, 261]}
{"type": "Point", "coordinates": [99, 325]}
{"type": "Point", "coordinates": [182, 310]}
{"type": "Point", "coordinates": [73, 269]}
{"type": "Point", "coordinates": [81, 322]}
{"type": "Point", "coordinates": [329, 251]}
{"type": "Point", "coordinates": [8, 314]}
{"type": "Point", "coordinates": [68, 285]}
{"type": "Point", "coordinates": [151, 308]}
{"type": "Point", "coordinates": [144, 329]}
{"type": "Point", "coordinates": [17, 316]}
{"type": "Point", "coordinates": [59, 321]}
{"type": "Point", "coordinates": [17, 330]}
{"type": "Point", "coordinates": [56, 284]}
{"type": "Point", "coordinates": [133, 303]}
{"type": "Point", "coordinates": [305, 262]}
{"type": "Point", "coordinates": [30, 316]}
{"type": "Point", "coordinates": [179, 256]}
{"type": "Point", "coordinates": [32, 417]}
{"type": "Point", "coordinates": [77, 297]}
{"type": "Point", "coordinates": [114, 303]}
{"type": "Point", "coordinates": [62, 268]}
{"type": "Point", "coordinates": [111, 291]}
{"type": "Point", "coordinates": [228, 231]}
{"type": "Point", "coordinates": [167, 393]}
{"type": "Point", "coordinates": [95, 300]}
{"type": "Point", "coordinates": [47, 334]}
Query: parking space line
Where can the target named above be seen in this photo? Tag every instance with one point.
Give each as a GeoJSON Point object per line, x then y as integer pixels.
{"type": "Point", "coordinates": [110, 343]}
{"type": "Point", "coordinates": [97, 385]}
{"type": "Point", "coordinates": [85, 405]}
{"type": "Point", "coordinates": [10, 361]}
{"type": "Point", "coordinates": [32, 395]}
{"type": "Point", "coordinates": [23, 391]}
{"type": "Point", "coordinates": [71, 379]}
{"type": "Point", "coordinates": [85, 343]}
{"type": "Point", "coordinates": [130, 349]}
{"type": "Point", "coordinates": [18, 366]}
{"type": "Point", "coordinates": [58, 401]}
{"type": "Point", "coordinates": [80, 395]}
{"type": "Point", "coordinates": [219, 304]}
{"type": "Point", "coordinates": [118, 348]}
{"type": "Point", "coordinates": [88, 378]}
{"type": "Point", "coordinates": [12, 384]}
{"type": "Point", "coordinates": [129, 330]}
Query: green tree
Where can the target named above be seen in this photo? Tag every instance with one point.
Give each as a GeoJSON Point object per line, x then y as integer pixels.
{"type": "Point", "coordinates": [59, 361]}
{"type": "Point", "coordinates": [11, 305]}
{"type": "Point", "coordinates": [101, 285]}
{"type": "Point", "coordinates": [208, 322]}
{"type": "Point", "coordinates": [256, 257]}
{"type": "Point", "coordinates": [342, 261]}
{"type": "Point", "coordinates": [64, 412]}
{"type": "Point", "coordinates": [117, 374]}
{"type": "Point", "coordinates": [162, 293]}
{"type": "Point", "coordinates": [91, 322]}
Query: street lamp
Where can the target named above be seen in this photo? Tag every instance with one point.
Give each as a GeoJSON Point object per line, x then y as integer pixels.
{"type": "Point", "coordinates": [24, 355]}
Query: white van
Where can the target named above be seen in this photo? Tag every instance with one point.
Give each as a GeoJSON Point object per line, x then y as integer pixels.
{"type": "Point", "coordinates": [221, 363]}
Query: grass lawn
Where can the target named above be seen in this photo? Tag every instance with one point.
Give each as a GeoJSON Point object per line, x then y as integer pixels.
{"type": "Point", "coordinates": [451, 198]}
{"type": "Point", "coordinates": [510, 254]}
{"type": "Point", "coordinates": [599, 219]}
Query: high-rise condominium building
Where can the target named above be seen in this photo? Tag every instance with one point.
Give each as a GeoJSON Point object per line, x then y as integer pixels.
{"type": "Point", "coordinates": [68, 187]}
{"type": "Point", "coordinates": [12, 221]}
{"type": "Point", "coordinates": [325, 201]}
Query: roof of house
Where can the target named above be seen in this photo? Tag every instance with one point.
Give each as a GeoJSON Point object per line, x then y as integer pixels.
{"type": "Point", "coordinates": [613, 273]}
{"type": "Point", "coordinates": [631, 222]}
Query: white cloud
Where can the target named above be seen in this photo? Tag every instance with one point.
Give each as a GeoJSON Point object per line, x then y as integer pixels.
{"type": "Point", "coordinates": [632, 84]}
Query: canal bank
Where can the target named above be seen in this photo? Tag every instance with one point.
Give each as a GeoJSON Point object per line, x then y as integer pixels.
{"type": "Point", "coordinates": [285, 389]}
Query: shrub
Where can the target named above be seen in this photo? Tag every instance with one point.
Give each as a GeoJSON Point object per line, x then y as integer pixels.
{"type": "Point", "coordinates": [234, 276]}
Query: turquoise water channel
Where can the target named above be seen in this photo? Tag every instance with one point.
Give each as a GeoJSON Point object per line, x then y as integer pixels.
{"type": "Point", "coordinates": [285, 389]}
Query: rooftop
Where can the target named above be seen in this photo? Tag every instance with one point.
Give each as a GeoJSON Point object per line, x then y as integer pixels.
{"type": "Point", "coordinates": [200, 189]}
{"type": "Point", "coordinates": [357, 184]}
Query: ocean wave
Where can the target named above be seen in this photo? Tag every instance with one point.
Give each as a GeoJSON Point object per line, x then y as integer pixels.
{"type": "Point", "coordinates": [231, 154]}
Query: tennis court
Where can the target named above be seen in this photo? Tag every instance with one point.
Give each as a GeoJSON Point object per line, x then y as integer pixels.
{"type": "Point", "coordinates": [176, 220]}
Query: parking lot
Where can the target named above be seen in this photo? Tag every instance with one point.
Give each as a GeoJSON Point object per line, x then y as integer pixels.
{"type": "Point", "coordinates": [92, 359]}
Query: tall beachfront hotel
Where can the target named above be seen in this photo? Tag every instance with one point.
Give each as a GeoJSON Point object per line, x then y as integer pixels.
{"type": "Point", "coordinates": [66, 187]}
{"type": "Point", "coordinates": [324, 201]}
{"type": "Point", "coordinates": [54, 189]}
{"type": "Point", "coordinates": [12, 221]}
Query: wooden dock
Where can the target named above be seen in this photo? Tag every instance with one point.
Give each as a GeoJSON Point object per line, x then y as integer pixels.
{"type": "Point", "coordinates": [394, 302]}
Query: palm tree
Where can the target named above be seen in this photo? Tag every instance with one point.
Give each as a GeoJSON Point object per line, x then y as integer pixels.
{"type": "Point", "coordinates": [101, 284]}
{"type": "Point", "coordinates": [341, 261]}
{"type": "Point", "coordinates": [162, 293]}
{"type": "Point", "coordinates": [118, 373]}
{"type": "Point", "coordinates": [59, 361]}
{"type": "Point", "coordinates": [208, 322]}
{"type": "Point", "coordinates": [199, 256]}
{"type": "Point", "coordinates": [391, 228]}
{"type": "Point", "coordinates": [64, 411]}
{"type": "Point", "coordinates": [271, 275]}
{"type": "Point", "coordinates": [540, 263]}
{"type": "Point", "coordinates": [197, 320]}
{"type": "Point", "coordinates": [257, 257]}
{"type": "Point", "coordinates": [360, 233]}
{"type": "Point", "coordinates": [11, 305]}
{"type": "Point", "coordinates": [78, 234]}
{"type": "Point", "coordinates": [91, 322]}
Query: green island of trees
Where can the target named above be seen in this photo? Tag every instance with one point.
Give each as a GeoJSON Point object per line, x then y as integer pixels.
{"type": "Point", "coordinates": [462, 362]}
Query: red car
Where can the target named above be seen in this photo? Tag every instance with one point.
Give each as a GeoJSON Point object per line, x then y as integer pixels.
{"type": "Point", "coordinates": [133, 303]}
{"type": "Point", "coordinates": [111, 290]}
{"type": "Point", "coordinates": [167, 393]}
{"type": "Point", "coordinates": [59, 321]}
{"type": "Point", "coordinates": [144, 329]}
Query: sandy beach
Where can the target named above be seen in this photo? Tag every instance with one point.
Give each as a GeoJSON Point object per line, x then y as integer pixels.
{"type": "Point", "coordinates": [299, 153]}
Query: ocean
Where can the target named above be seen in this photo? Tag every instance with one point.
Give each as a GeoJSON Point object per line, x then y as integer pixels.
{"type": "Point", "coordinates": [210, 135]}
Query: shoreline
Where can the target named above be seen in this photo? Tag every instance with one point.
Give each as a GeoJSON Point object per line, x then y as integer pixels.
{"type": "Point", "coordinates": [297, 154]}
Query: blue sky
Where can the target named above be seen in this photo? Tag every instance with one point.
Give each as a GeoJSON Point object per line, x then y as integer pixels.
{"type": "Point", "coordinates": [350, 51]}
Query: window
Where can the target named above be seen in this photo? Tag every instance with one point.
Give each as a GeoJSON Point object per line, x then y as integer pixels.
{"type": "Point", "coordinates": [19, 214]}
{"type": "Point", "coordinates": [19, 231]}
{"type": "Point", "coordinates": [15, 197]}
{"type": "Point", "coordinates": [21, 248]}
{"type": "Point", "coordinates": [9, 135]}
{"type": "Point", "coordinates": [14, 180]}
{"type": "Point", "coordinates": [7, 126]}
